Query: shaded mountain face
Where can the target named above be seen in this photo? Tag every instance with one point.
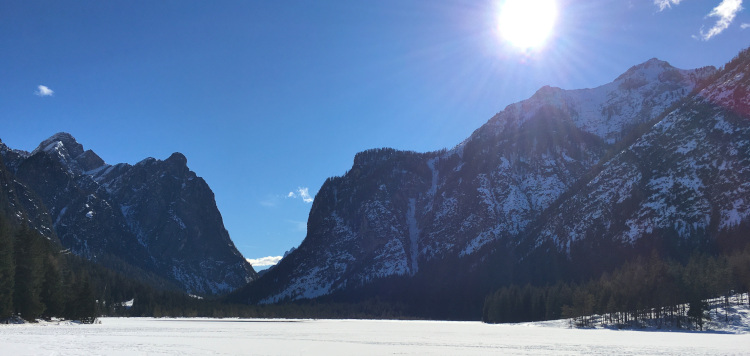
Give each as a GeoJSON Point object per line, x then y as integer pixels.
{"type": "Point", "coordinates": [156, 216]}
{"type": "Point", "coordinates": [19, 204]}
{"type": "Point", "coordinates": [395, 213]}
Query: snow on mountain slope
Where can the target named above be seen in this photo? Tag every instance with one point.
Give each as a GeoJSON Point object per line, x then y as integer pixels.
{"type": "Point", "coordinates": [689, 175]}
{"type": "Point", "coordinates": [394, 211]}
{"type": "Point", "coordinates": [610, 110]}
{"type": "Point", "coordinates": [156, 216]}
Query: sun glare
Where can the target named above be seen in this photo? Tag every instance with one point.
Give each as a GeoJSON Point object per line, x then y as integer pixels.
{"type": "Point", "coordinates": [527, 24]}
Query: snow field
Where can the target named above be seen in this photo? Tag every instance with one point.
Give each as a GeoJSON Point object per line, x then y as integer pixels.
{"type": "Point", "coordinates": [129, 336]}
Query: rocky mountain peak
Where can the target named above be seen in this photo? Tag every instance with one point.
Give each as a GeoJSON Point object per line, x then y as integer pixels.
{"type": "Point", "coordinates": [648, 69]}
{"type": "Point", "coordinates": [155, 216]}
{"type": "Point", "coordinates": [527, 173]}
{"type": "Point", "coordinates": [548, 95]}
{"type": "Point", "coordinates": [177, 159]}
{"type": "Point", "coordinates": [59, 141]}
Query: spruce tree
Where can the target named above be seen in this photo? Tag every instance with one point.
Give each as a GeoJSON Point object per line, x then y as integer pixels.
{"type": "Point", "coordinates": [29, 275]}
{"type": "Point", "coordinates": [83, 303]}
{"type": "Point", "coordinates": [7, 270]}
{"type": "Point", "coordinates": [52, 293]}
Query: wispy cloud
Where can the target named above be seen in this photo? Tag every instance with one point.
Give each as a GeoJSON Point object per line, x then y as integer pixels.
{"type": "Point", "coordinates": [264, 261]}
{"type": "Point", "coordinates": [726, 12]}
{"type": "Point", "coordinates": [302, 193]}
{"type": "Point", "coordinates": [44, 91]}
{"type": "Point", "coordinates": [665, 4]}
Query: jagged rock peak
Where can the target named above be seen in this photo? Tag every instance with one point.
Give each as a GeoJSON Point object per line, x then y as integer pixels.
{"type": "Point", "coordinates": [147, 161]}
{"type": "Point", "coordinates": [661, 71]}
{"type": "Point", "coordinates": [178, 159]}
{"type": "Point", "coordinates": [61, 138]}
{"type": "Point", "coordinates": [546, 92]}
{"type": "Point", "coordinates": [653, 64]}
{"type": "Point", "coordinates": [71, 153]}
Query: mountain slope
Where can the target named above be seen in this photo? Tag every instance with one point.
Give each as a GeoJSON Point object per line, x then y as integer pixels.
{"type": "Point", "coordinates": [157, 216]}
{"type": "Point", "coordinates": [688, 177]}
{"type": "Point", "coordinates": [20, 204]}
{"type": "Point", "coordinates": [395, 212]}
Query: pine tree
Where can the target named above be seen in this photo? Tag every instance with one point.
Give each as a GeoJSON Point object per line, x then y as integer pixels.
{"type": "Point", "coordinates": [697, 312]}
{"type": "Point", "coordinates": [82, 304]}
{"type": "Point", "coordinates": [29, 274]}
{"type": "Point", "coordinates": [52, 293]}
{"type": "Point", "coordinates": [7, 270]}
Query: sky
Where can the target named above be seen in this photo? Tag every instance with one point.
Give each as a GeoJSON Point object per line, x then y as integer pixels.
{"type": "Point", "coordinates": [267, 99]}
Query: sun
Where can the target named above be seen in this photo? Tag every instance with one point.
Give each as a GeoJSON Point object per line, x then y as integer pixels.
{"type": "Point", "coordinates": [527, 24]}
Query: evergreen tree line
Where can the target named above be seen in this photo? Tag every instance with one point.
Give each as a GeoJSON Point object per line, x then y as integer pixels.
{"type": "Point", "coordinates": [36, 280]}
{"type": "Point", "coordinates": [39, 281]}
{"type": "Point", "coordinates": [668, 292]}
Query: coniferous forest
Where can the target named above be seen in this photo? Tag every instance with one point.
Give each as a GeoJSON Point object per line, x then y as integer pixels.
{"type": "Point", "coordinates": [649, 288]}
{"type": "Point", "coordinates": [37, 280]}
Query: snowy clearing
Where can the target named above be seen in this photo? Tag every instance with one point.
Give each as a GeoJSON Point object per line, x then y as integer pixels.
{"type": "Point", "coordinates": [123, 336]}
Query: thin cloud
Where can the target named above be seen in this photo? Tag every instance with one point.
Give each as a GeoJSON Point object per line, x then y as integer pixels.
{"type": "Point", "coordinates": [302, 193]}
{"type": "Point", "coordinates": [666, 4]}
{"type": "Point", "coordinates": [44, 91]}
{"type": "Point", "coordinates": [726, 12]}
{"type": "Point", "coordinates": [745, 25]}
{"type": "Point", "coordinates": [264, 261]}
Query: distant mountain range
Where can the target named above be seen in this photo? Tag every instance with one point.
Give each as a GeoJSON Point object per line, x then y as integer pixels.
{"type": "Point", "coordinates": [563, 185]}
{"type": "Point", "coordinates": [559, 187]}
{"type": "Point", "coordinates": [155, 220]}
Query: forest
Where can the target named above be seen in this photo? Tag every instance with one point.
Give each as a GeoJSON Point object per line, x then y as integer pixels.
{"type": "Point", "coordinates": [37, 280]}
{"type": "Point", "coordinates": [649, 288]}
{"type": "Point", "coordinates": [40, 280]}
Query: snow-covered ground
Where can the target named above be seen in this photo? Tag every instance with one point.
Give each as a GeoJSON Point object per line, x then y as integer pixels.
{"type": "Point", "coordinates": [122, 336]}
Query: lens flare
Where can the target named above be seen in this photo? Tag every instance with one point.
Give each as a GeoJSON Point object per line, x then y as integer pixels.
{"type": "Point", "coordinates": [527, 24]}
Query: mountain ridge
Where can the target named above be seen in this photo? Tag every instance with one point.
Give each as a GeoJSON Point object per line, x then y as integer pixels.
{"type": "Point", "coordinates": [133, 212]}
{"type": "Point", "coordinates": [395, 211]}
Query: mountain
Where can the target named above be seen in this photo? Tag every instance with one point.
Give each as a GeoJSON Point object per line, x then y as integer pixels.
{"type": "Point", "coordinates": [19, 204]}
{"type": "Point", "coordinates": [684, 180]}
{"type": "Point", "coordinates": [155, 217]}
{"type": "Point", "coordinates": [658, 150]}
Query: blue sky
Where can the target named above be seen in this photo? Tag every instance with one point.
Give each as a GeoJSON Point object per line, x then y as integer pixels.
{"type": "Point", "coordinates": [268, 98]}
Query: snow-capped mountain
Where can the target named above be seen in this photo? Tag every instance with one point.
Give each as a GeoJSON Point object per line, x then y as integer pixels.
{"type": "Point", "coordinates": [155, 216]}
{"type": "Point", "coordinates": [643, 152]}
{"type": "Point", "coordinates": [687, 177]}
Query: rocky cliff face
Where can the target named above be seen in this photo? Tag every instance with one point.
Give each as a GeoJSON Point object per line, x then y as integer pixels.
{"type": "Point", "coordinates": [156, 216]}
{"type": "Point", "coordinates": [545, 169]}
{"type": "Point", "coordinates": [18, 203]}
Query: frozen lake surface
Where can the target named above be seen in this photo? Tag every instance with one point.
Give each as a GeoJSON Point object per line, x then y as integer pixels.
{"type": "Point", "coordinates": [121, 336]}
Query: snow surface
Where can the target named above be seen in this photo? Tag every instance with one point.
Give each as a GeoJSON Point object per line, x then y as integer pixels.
{"type": "Point", "coordinates": [122, 336]}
